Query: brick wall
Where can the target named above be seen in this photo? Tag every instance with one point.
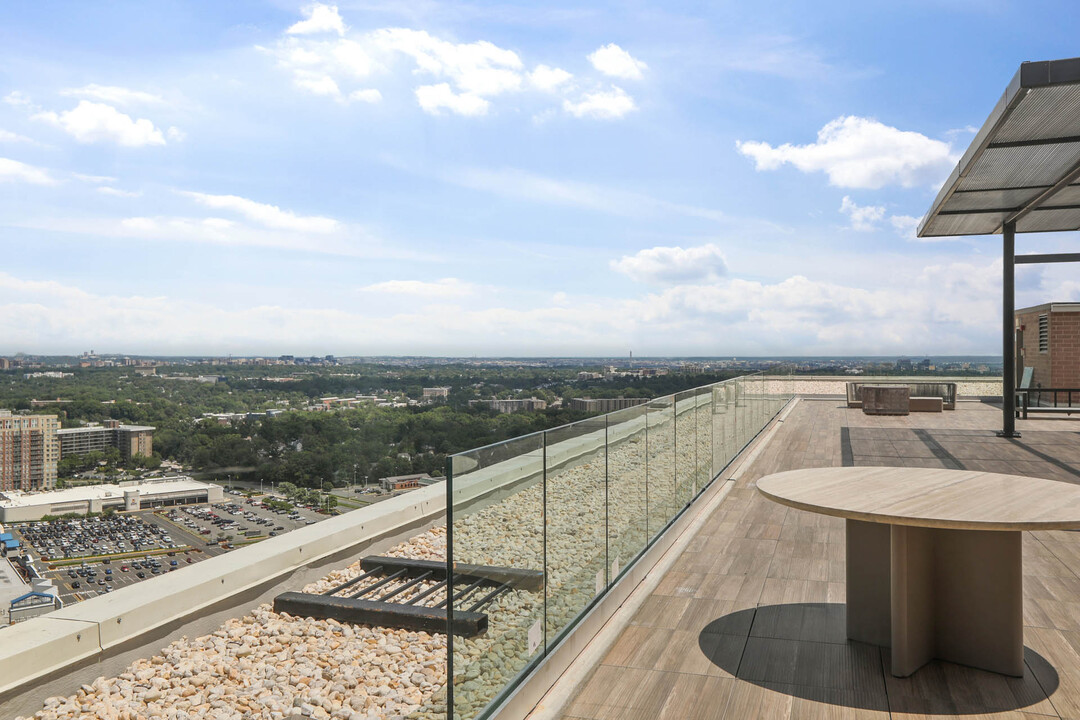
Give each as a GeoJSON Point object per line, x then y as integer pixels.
{"type": "Point", "coordinates": [1065, 351]}
{"type": "Point", "coordinates": [1040, 362]}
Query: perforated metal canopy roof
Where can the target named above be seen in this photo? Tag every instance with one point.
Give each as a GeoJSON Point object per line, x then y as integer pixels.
{"type": "Point", "coordinates": [1024, 163]}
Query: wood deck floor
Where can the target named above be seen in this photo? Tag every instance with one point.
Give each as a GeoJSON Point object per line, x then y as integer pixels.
{"type": "Point", "coordinates": [749, 622]}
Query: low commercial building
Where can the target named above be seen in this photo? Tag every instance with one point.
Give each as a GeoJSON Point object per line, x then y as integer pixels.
{"type": "Point", "coordinates": [605, 405]}
{"type": "Point", "coordinates": [509, 406]}
{"type": "Point", "coordinates": [16, 506]}
{"type": "Point", "coordinates": [129, 439]}
{"type": "Point", "coordinates": [405, 482]}
{"type": "Point", "coordinates": [432, 394]}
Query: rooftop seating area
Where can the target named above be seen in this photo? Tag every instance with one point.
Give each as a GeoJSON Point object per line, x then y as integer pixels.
{"type": "Point", "coordinates": [944, 390]}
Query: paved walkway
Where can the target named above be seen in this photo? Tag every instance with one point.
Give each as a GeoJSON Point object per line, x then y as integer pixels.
{"type": "Point", "coordinates": [749, 622]}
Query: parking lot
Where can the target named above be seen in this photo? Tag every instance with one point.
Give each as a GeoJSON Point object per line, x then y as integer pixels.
{"type": "Point", "coordinates": [82, 537]}
{"type": "Point", "coordinates": [237, 519]}
{"type": "Point", "coordinates": [85, 580]}
{"type": "Point", "coordinates": [148, 543]}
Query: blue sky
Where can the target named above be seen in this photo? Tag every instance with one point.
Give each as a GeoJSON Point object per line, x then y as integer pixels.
{"type": "Point", "coordinates": [503, 179]}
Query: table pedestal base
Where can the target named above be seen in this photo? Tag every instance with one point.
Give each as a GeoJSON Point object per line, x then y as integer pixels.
{"type": "Point", "coordinates": [932, 593]}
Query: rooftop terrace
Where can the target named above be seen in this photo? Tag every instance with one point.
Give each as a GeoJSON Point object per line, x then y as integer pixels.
{"type": "Point", "coordinates": [749, 620]}
{"type": "Point", "coordinates": [671, 585]}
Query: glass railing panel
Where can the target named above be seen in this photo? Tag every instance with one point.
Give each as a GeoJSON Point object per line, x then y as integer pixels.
{"type": "Point", "coordinates": [577, 505]}
{"type": "Point", "coordinates": [660, 424]}
{"type": "Point", "coordinates": [577, 511]}
{"type": "Point", "coordinates": [780, 391]}
{"type": "Point", "coordinates": [498, 520]}
{"type": "Point", "coordinates": [703, 437]}
{"type": "Point", "coordinates": [716, 409]}
{"type": "Point", "coordinates": [742, 415]}
{"type": "Point", "coordinates": [727, 414]}
{"type": "Point", "coordinates": [758, 385]}
{"type": "Point", "coordinates": [628, 532]}
{"type": "Point", "coordinates": [685, 447]}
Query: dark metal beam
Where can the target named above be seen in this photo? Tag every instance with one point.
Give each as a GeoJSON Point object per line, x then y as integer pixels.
{"type": "Point", "coordinates": [1038, 200]}
{"type": "Point", "coordinates": [1001, 189]}
{"type": "Point", "coordinates": [1029, 143]}
{"type": "Point", "coordinates": [1008, 332]}
{"type": "Point", "coordinates": [1051, 258]}
{"type": "Point", "coordinates": [991, 211]}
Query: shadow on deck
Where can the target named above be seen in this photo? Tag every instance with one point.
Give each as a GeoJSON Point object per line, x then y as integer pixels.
{"type": "Point", "coordinates": [749, 621]}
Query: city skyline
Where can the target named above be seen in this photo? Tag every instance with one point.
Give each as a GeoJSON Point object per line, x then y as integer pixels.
{"type": "Point", "coordinates": [452, 179]}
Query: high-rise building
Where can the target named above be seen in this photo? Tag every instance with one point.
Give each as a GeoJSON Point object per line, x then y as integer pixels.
{"type": "Point", "coordinates": [28, 451]}
{"type": "Point", "coordinates": [129, 439]}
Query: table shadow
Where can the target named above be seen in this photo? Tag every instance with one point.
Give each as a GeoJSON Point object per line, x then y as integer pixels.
{"type": "Point", "coordinates": [801, 649]}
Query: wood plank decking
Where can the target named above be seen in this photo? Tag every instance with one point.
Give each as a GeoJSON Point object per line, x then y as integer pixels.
{"type": "Point", "coordinates": [749, 622]}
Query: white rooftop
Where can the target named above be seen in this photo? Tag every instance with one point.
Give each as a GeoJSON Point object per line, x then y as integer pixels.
{"type": "Point", "coordinates": [96, 427]}
{"type": "Point", "coordinates": [162, 486]}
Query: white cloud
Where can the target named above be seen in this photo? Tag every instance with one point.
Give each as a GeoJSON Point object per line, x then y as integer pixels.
{"type": "Point", "coordinates": [549, 79]}
{"type": "Point", "coordinates": [522, 185]}
{"type": "Point", "coordinates": [6, 136]}
{"type": "Point", "coordinates": [367, 95]}
{"type": "Point", "coordinates": [91, 122]}
{"type": "Point", "coordinates": [320, 19]}
{"type": "Point", "coordinates": [477, 68]}
{"type": "Point", "coordinates": [270, 216]}
{"type": "Point", "coordinates": [176, 134]}
{"type": "Point", "coordinates": [17, 99]}
{"type": "Point", "coordinates": [673, 265]}
{"type": "Point", "coordinates": [612, 60]}
{"type": "Point", "coordinates": [779, 55]}
{"type": "Point", "coordinates": [346, 241]}
{"type": "Point", "coordinates": [858, 152]}
{"type": "Point", "coordinates": [445, 288]}
{"type": "Point", "coordinates": [471, 71]}
{"type": "Point", "coordinates": [15, 171]}
{"type": "Point", "coordinates": [436, 98]}
{"type": "Point", "coordinates": [905, 225]}
{"type": "Point", "coordinates": [351, 58]}
{"type": "Point", "coordinates": [324, 67]}
{"type": "Point", "coordinates": [864, 218]}
{"type": "Point", "coordinates": [115, 192]}
{"type": "Point", "coordinates": [114, 94]}
{"type": "Point", "coordinates": [601, 105]}
{"type": "Point", "coordinates": [446, 76]}
{"type": "Point", "coordinates": [316, 83]}
{"type": "Point", "coordinates": [948, 308]}
{"type": "Point", "coordinates": [96, 179]}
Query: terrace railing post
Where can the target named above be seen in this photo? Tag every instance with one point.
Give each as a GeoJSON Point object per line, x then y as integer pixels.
{"type": "Point", "coordinates": [449, 587]}
{"type": "Point", "coordinates": [1008, 337]}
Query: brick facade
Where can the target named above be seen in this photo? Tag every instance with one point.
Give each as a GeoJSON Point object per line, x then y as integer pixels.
{"type": "Point", "coordinates": [1059, 366]}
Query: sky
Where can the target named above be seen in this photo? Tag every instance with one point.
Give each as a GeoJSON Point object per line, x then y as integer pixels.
{"type": "Point", "coordinates": [531, 179]}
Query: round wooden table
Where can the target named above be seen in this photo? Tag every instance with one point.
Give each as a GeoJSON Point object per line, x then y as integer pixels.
{"type": "Point", "coordinates": [934, 563]}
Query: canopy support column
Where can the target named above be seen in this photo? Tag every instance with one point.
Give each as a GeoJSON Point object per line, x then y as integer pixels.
{"type": "Point", "coordinates": [1008, 332]}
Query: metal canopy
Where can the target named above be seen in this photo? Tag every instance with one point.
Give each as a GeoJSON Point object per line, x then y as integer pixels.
{"type": "Point", "coordinates": [1020, 174]}
{"type": "Point", "coordinates": [1023, 166]}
